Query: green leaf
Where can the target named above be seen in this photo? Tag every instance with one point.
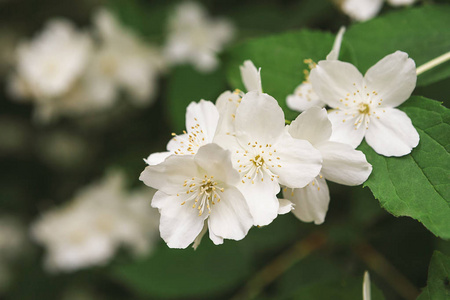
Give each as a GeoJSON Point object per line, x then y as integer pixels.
{"type": "Point", "coordinates": [417, 185]}
{"type": "Point", "coordinates": [172, 273]}
{"type": "Point", "coordinates": [280, 58]}
{"type": "Point", "coordinates": [187, 85]}
{"type": "Point", "coordinates": [345, 289]}
{"type": "Point", "coordinates": [421, 32]}
{"type": "Point", "coordinates": [438, 278]}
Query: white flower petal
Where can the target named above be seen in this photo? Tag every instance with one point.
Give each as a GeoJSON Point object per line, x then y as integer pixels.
{"type": "Point", "coordinates": [230, 218]}
{"type": "Point", "coordinates": [251, 77]}
{"type": "Point", "coordinates": [366, 287]}
{"type": "Point", "coordinates": [202, 116]}
{"type": "Point", "coordinates": [393, 134]}
{"type": "Point", "coordinates": [312, 125]}
{"type": "Point", "coordinates": [227, 104]}
{"type": "Point", "coordinates": [157, 158]}
{"type": "Point", "coordinates": [311, 202]}
{"type": "Point", "coordinates": [299, 162]}
{"type": "Point", "coordinates": [285, 206]}
{"type": "Point", "coordinates": [393, 78]}
{"type": "Point", "coordinates": [332, 80]}
{"type": "Point", "coordinates": [261, 199]}
{"type": "Point", "coordinates": [170, 175]}
{"type": "Point", "coordinates": [343, 164]}
{"type": "Point", "coordinates": [303, 98]}
{"type": "Point", "coordinates": [199, 237]}
{"type": "Point", "coordinates": [334, 54]}
{"type": "Point", "coordinates": [344, 128]}
{"type": "Point", "coordinates": [180, 224]}
{"type": "Point", "coordinates": [260, 117]}
{"type": "Point", "coordinates": [216, 160]}
{"type": "Point", "coordinates": [217, 240]}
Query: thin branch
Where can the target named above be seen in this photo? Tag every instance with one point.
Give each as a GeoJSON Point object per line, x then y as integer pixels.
{"type": "Point", "coordinates": [281, 264]}
{"type": "Point", "coordinates": [433, 63]}
{"type": "Point", "coordinates": [380, 265]}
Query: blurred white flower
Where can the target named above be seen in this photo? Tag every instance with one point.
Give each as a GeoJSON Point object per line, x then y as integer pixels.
{"type": "Point", "coordinates": [304, 96]}
{"type": "Point", "coordinates": [341, 164]}
{"type": "Point", "coordinates": [365, 106]}
{"type": "Point", "coordinates": [123, 61]}
{"type": "Point", "coordinates": [363, 10]}
{"type": "Point", "coordinates": [196, 38]}
{"type": "Point", "coordinates": [49, 65]}
{"type": "Point", "coordinates": [88, 230]}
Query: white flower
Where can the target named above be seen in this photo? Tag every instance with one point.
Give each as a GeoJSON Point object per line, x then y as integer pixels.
{"type": "Point", "coordinates": [88, 230]}
{"type": "Point", "coordinates": [50, 64]}
{"type": "Point", "coordinates": [363, 10]}
{"type": "Point", "coordinates": [341, 164]}
{"type": "Point", "coordinates": [228, 101]}
{"type": "Point", "coordinates": [366, 287]}
{"type": "Point", "coordinates": [266, 155]}
{"type": "Point", "coordinates": [123, 61]}
{"type": "Point", "coordinates": [364, 106]}
{"type": "Point", "coordinates": [304, 96]}
{"type": "Point", "coordinates": [201, 124]}
{"type": "Point", "coordinates": [197, 191]}
{"type": "Point", "coordinates": [196, 38]}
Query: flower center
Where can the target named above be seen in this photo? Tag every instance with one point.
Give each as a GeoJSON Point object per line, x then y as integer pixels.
{"type": "Point", "coordinates": [204, 193]}
{"type": "Point", "coordinates": [190, 141]}
{"type": "Point", "coordinates": [364, 108]}
{"type": "Point", "coordinates": [255, 162]}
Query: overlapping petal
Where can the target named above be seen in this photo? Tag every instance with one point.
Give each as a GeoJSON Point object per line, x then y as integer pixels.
{"type": "Point", "coordinates": [311, 202]}
{"type": "Point", "coordinates": [260, 117]}
{"type": "Point", "coordinates": [343, 164]}
{"type": "Point", "coordinates": [393, 78]}
{"type": "Point", "coordinates": [392, 134]}
{"type": "Point", "coordinates": [312, 125]}
{"type": "Point", "coordinates": [179, 224]}
{"type": "Point", "coordinates": [231, 218]}
{"type": "Point", "coordinates": [332, 80]}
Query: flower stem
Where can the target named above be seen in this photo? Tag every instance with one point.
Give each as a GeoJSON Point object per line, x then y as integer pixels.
{"type": "Point", "coordinates": [433, 63]}
{"type": "Point", "coordinates": [281, 264]}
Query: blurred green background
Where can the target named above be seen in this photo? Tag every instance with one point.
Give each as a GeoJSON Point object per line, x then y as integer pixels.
{"type": "Point", "coordinates": [286, 260]}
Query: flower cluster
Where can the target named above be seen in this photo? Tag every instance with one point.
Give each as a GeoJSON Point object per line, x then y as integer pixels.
{"type": "Point", "coordinates": [88, 230]}
{"type": "Point", "coordinates": [65, 71]}
{"type": "Point", "coordinates": [194, 37]}
{"type": "Point", "coordinates": [224, 172]}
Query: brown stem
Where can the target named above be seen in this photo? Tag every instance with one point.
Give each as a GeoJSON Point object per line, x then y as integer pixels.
{"type": "Point", "coordinates": [380, 265]}
{"type": "Point", "coordinates": [281, 264]}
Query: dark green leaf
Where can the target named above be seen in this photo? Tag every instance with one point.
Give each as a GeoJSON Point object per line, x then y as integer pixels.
{"type": "Point", "coordinates": [417, 185]}
{"type": "Point", "coordinates": [438, 286]}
